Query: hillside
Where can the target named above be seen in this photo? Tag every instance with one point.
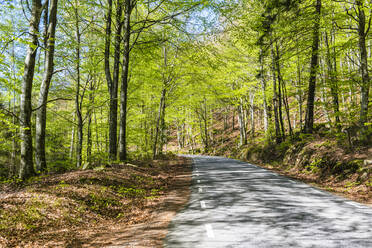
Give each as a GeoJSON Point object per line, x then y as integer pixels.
{"type": "Point", "coordinates": [123, 204]}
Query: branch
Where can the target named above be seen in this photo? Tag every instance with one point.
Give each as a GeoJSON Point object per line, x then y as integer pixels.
{"type": "Point", "coordinates": [10, 112]}
{"type": "Point", "coordinates": [53, 100]}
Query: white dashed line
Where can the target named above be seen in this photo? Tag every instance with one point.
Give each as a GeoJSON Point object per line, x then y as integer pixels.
{"type": "Point", "coordinates": [209, 230]}
{"type": "Point", "coordinates": [202, 204]}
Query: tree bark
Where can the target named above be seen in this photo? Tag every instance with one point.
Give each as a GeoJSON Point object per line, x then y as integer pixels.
{"type": "Point", "coordinates": [113, 83]}
{"type": "Point", "coordinates": [332, 72]}
{"type": "Point", "coordinates": [79, 147]}
{"type": "Point", "coordinates": [243, 136]}
{"type": "Point", "coordinates": [124, 83]}
{"type": "Point", "coordinates": [314, 64]}
{"type": "Point", "coordinates": [263, 87]}
{"type": "Point", "coordinates": [157, 129]}
{"type": "Point", "coordinates": [362, 34]}
{"type": "Point", "coordinates": [251, 110]}
{"type": "Point", "coordinates": [72, 142]}
{"type": "Point", "coordinates": [278, 136]}
{"type": "Point", "coordinates": [44, 89]}
{"type": "Point", "coordinates": [26, 166]}
{"type": "Point", "coordinates": [89, 124]}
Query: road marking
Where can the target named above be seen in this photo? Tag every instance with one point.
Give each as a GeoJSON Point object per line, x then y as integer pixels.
{"type": "Point", "coordinates": [197, 174]}
{"type": "Point", "coordinates": [200, 190]}
{"type": "Point", "coordinates": [202, 204]}
{"type": "Point", "coordinates": [353, 204]}
{"type": "Point", "coordinates": [198, 181]}
{"type": "Point", "coordinates": [209, 230]}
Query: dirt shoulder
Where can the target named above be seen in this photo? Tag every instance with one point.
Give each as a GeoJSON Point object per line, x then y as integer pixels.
{"type": "Point", "coordinates": [127, 205]}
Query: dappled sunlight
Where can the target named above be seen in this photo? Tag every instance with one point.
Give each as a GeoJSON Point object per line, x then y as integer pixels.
{"type": "Point", "coordinates": [248, 206]}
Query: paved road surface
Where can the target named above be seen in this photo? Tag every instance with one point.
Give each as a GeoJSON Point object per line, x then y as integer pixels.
{"type": "Point", "coordinates": [235, 204]}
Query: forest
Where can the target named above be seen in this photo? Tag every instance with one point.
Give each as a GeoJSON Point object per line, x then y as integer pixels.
{"type": "Point", "coordinates": [85, 83]}
{"type": "Point", "coordinates": [90, 84]}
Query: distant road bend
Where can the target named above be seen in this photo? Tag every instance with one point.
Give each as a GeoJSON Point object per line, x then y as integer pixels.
{"type": "Point", "coordinates": [235, 204]}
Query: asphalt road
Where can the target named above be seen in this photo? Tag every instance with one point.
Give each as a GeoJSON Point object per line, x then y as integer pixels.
{"type": "Point", "coordinates": [235, 204]}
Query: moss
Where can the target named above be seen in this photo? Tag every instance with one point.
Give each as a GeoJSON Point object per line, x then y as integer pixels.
{"type": "Point", "coordinates": [347, 167]}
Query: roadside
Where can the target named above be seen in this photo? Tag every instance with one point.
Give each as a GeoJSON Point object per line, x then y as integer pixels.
{"type": "Point", "coordinates": [334, 162]}
{"type": "Point", "coordinates": [321, 162]}
{"type": "Point", "coordinates": [126, 205]}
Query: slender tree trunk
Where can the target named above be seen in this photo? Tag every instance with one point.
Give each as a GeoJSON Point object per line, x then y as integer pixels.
{"type": "Point", "coordinates": [13, 165]}
{"type": "Point", "coordinates": [124, 83]}
{"type": "Point", "coordinates": [286, 106]}
{"type": "Point", "coordinates": [299, 93]}
{"type": "Point", "coordinates": [157, 129]}
{"type": "Point", "coordinates": [206, 126]}
{"type": "Point", "coordinates": [280, 97]}
{"type": "Point", "coordinates": [362, 34]}
{"type": "Point", "coordinates": [79, 116]}
{"type": "Point", "coordinates": [27, 166]}
{"type": "Point", "coordinates": [251, 108]}
{"type": "Point", "coordinates": [44, 89]}
{"type": "Point", "coordinates": [162, 129]}
{"type": "Point", "coordinates": [278, 136]}
{"type": "Point", "coordinates": [263, 87]}
{"type": "Point", "coordinates": [332, 72]}
{"type": "Point", "coordinates": [309, 120]}
{"type": "Point", "coordinates": [243, 137]}
{"type": "Point", "coordinates": [72, 143]}
{"type": "Point", "coordinates": [89, 124]}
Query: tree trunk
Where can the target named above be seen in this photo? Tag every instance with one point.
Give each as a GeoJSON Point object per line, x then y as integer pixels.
{"type": "Point", "coordinates": [251, 108]}
{"type": "Point", "coordinates": [79, 116]}
{"type": "Point", "coordinates": [278, 136]}
{"type": "Point", "coordinates": [286, 106]}
{"type": "Point", "coordinates": [72, 143]}
{"type": "Point", "coordinates": [332, 72]}
{"type": "Point", "coordinates": [314, 64]}
{"type": "Point", "coordinates": [27, 167]}
{"type": "Point", "coordinates": [89, 124]}
{"type": "Point", "coordinates": [364, 89]}
{"type": "Point", "coordinates": [157, 130]}
{"type": "Point", "coordinates": [113, 83]}
{"type": "Point", "coordinates": [124, 83]}
{"type": "Point", "coordinates": [44, 89]}
{"type": "Point", "coordinates": [280, 98]}
{"type": "Point", "coordinates": [263, 87]}
{"type": "Point", "coordinates": [243, 137]}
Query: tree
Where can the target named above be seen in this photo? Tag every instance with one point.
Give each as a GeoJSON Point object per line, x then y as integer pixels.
{"type": "Point", "coordinates": [309, 119]}
{"type": "Point", "coordinates": [44, 89]}
{"type": "Point", "coordinates": [27, 166]}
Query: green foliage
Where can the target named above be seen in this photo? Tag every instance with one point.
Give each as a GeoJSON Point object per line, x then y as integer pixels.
{"type": "Point", "coordinates": [131, 192]}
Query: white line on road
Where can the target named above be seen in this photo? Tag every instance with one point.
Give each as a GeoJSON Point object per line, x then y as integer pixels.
{"type": "Point", "coordinates": [354, 204]}
{"type": "Point", "coordinates": [200, 190]}
{"type": "Point", "coordinates": [202, 204]}
{"type": "Point", "coordinates": [209, 230]}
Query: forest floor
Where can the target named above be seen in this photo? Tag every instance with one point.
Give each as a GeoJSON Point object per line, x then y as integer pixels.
{"type": "Point", "coordinates": [127, 205]}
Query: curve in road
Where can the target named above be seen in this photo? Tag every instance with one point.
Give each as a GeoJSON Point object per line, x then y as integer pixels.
{"type": "Point", "coordinates": [236, 204]}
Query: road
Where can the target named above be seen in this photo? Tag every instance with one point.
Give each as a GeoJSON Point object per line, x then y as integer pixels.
{"type": "Point", "coordinates": [236, 204]}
